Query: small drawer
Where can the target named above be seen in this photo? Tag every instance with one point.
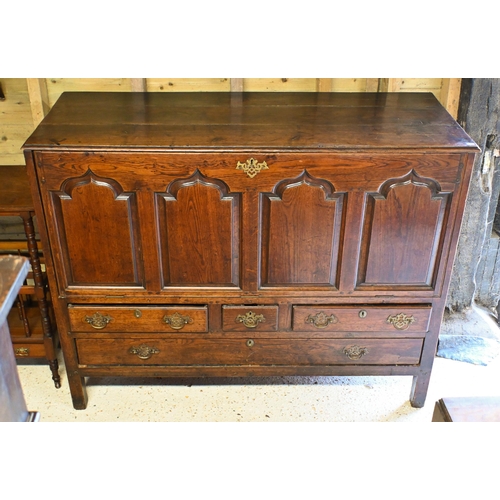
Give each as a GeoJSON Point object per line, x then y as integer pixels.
{"type": "Point", "coordinates": [388, 319]}
{"type": "Point", "coordinates": [115, 319]}
{"type": "Point", "coordinates": [250, 318]}
{"type": "Point", "coordinates": [29, 350]}
{"type": "Point", "coordinates": [248, 352]}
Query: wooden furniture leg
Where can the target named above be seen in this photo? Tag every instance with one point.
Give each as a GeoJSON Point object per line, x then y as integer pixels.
{"type": "Point", "coordinates": [40, 291]}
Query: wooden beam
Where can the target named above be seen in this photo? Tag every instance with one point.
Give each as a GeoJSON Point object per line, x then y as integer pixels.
{"type": "Point", "coordinates": [394, 84]}
{"type": "Point", "coordinates": [138, 85]}
{"type": "Point", "coordinates": [372, 84]}
{"type": "Point", "coordinates": [39, 98]}
{"type": "Point", "coordinates": [450, 95]}
{"type": "Point", "coordinates": [324, 84]}
{"type": "Point", "coordinates": [236, 84]}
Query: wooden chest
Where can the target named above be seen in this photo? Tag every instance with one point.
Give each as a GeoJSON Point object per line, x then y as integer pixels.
{"type": "Point", "coordinates": [239, 234]}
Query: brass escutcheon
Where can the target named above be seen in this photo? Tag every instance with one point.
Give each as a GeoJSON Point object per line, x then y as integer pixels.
{"type": "Point", "coordinates": [251, 167]}
{"type": "Point", "coordinates": [22, 351]}
{"type": "Point", "coordinates": [98, 320]}
{"type": "Point", "coordinates": [355, 352]}
{"type": "Point", "coordinates": [137, 313]}
{"type": "Point", "coordinates": [144, 351]}
{"type": "Point", "coordinates": [250, 342]}
{"type": "Point", "coordinates": [250, 319]}
{"type": "Point", "coordinates": [177, 321]}
{"type": "Point", "coordinates": [401, 321]}
{"type": "Point", "coordinates": [362, 314]}
{"type": "Point", "coordinates": [321, 320]}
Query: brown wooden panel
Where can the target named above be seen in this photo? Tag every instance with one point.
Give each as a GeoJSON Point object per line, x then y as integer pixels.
{"type": "Point", "coordinates": [199, 229]}
{"type": "Point", "coordinates": [250, 318]}
{"type": "Point", "coordinates": [300, 233]}
{"type": "Point", "coordinates": [401, 320]}
{"type": "Point", "coordinates": [98, 246]}
{"type": "Point", "coordinates": [404, 225]}
{"type": "Point", "coordinates": [247, 351]}
{"type": "Point", "coordinates": [138, 318]}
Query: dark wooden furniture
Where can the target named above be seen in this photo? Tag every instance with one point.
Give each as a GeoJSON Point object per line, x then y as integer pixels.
{"type": "Point", "coordinates": [249, 234]}
{"type": "Point", "coordinates": [13, 408]}
{"type": "Point", "coordinates": [31, 327]}
{"type": "Point", "coordinates": [467, 409]}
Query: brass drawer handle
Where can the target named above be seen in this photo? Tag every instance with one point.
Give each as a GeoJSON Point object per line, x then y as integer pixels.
{"type": "Point", "coordinates": [401, 321]}
{"type": "Point", "coordinates": [321, 320]}
{"type": "Point", "coordinates": [144, 351]}
{"type": "Point", "coordinates": [98, 320]}
{"type": "Point", "coordinates": [251, 167]}
{"type": "Point", "coordinates": [250, 319]}
{"type": "Point", "coordinates": [355, 352]}
{"type": "Point", "coordinates": [22, 352]}
{"type": "Point", "coordinates": [177, 321]}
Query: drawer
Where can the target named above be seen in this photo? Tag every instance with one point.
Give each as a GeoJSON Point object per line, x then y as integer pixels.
{"type": "Point", "coordinates": [247, 351]}
{"type": "Point", "coordinates": [390, 319]}
{"type": "Point", "coordinates": [138, 319]}
{"type": "Point", "coordinates": [250, 318]}
{"type": "Point", "coordinates": [29, 350]}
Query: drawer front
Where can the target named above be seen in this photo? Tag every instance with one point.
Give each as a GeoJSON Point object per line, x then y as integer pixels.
{"type": "Point", "coordinates": [246, 351]}
{"type": "Point", "coordinates": [390, 319]}
{"type": "Point", "coordinates": [138, 319]}
{"type": "Point", "coordinates": [250, 318]}
{"type": "Point", "coordinates": [29, 350]}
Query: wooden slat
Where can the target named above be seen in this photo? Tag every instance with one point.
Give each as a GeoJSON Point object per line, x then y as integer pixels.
{"type": "Point", "coordinates": [39, 98]}
{"type": "Point", "coordinates": [138, 84]}
{"type": "Point", "coordinates": [324, 84]}
{"type": "Point", "coordinates": [236, 84]}
{"type": "Point", "coordinates": [56, 86]}
{"type": "Point", "coordinates": [450, 95]}
{"type": "Point", "coordinates": [372, 84]}
{"type": "Point", "coordinates": [394, 84]}
{"type": "Point", "coordinates": [280, 84]}
{"type": "Point", "coordinates": [188, 84]}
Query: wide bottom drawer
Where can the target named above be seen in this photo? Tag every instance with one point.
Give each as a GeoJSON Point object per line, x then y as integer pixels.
{"type": "Point", "coordinates": [245, 351]}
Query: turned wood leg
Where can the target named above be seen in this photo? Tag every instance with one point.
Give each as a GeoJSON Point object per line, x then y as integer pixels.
{"type": "Point", "coordinates": [40, 292]}
{"type": "Point", "coordinates": [54, 368]}
{"type": "Point", "coordinates": [419, 389]}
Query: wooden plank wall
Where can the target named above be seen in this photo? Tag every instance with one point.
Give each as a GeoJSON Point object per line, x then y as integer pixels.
{"type": "Point", "coordinates": [27, 100]}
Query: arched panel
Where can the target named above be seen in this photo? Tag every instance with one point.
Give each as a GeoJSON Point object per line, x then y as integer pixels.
{"type": "Point", "coordinates": [199, 233]}
{"type": "Point", "coordinates": [103, 221]}
{"type": "Point", "coordinates": [403, 231]}
{"type": "Point", "coordinates": [301, 226]}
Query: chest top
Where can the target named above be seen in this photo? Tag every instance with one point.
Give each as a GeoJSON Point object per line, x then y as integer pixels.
{"type": "Point", "coordinates": [227, 121]}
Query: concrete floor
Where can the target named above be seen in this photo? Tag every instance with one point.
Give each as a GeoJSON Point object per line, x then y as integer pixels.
{"type": "Point", "coordinates": [282, 399]}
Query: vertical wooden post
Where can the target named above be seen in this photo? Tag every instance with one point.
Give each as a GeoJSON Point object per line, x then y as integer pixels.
{"type": "Point", "coordinates": [39, 98]}
{"type": "Point", "coordinates": [138, 84]}
{"type": "Point", "coordinates": [450, 95]}
{"type": "Point", "coordinates": [372, 84]}
{"type": "Point", "coordinates": [324, 84]}
{"type": "Point", "coordinates": [236, 84]}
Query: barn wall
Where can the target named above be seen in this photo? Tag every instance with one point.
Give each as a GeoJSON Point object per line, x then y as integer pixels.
{"type": "Point", "coordinates": [27, 100]}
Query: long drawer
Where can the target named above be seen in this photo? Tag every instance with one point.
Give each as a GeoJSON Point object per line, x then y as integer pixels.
{"type": "Point", "coordinates": [404, 318]}
{"type": "Point", "coordinates": [138, 319]}
{"type": "Point", "coordinates": [246, 351]}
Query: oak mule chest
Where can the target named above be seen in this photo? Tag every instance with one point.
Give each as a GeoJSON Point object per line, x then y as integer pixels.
{"type": "Point", "coordinates": [241, 234]}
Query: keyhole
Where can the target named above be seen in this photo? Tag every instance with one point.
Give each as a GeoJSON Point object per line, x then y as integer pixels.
{"type": "Point", "coordinates": [250, 343]}
{"type": "Point", "coordinates": [362, 314]}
